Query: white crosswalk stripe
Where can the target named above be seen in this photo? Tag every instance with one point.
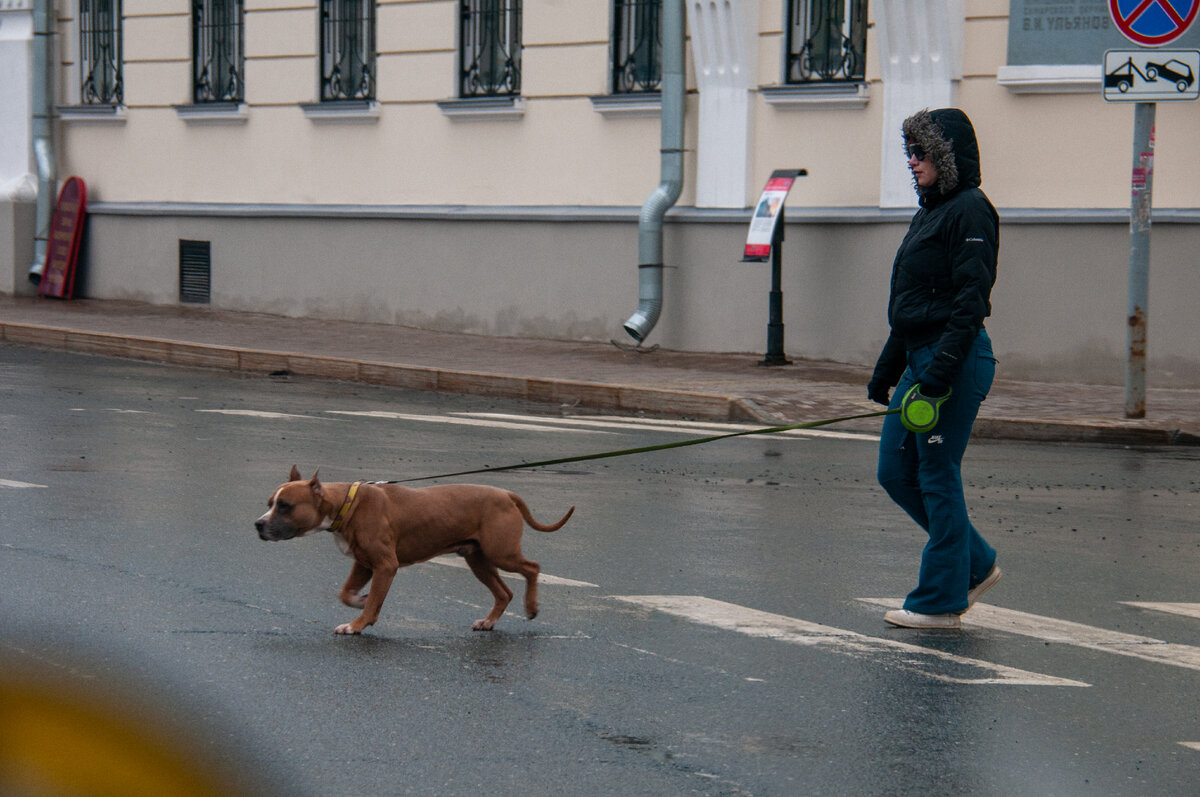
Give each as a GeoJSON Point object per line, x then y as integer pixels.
{"type": "Point", "coordinates": [751, 622]}
{"type": "Point", "coordinates": [16, 485]}
{"type": "Point", "coordinates": [1185, 609]}
{"type": "Point", "coordinates": [456, 561]}
{"type": "Point", "coordinates": [1050, 629]}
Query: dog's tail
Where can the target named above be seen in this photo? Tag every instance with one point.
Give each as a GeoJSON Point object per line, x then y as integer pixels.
{"type": "Point", "coordinates": [533, 524]}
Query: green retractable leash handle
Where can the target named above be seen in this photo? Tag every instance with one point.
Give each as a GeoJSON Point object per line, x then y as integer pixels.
{"type": "Point", "coordinates": [920, 413]}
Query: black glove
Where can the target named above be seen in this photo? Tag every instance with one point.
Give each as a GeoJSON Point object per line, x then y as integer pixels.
{"type": "Point", "coordinates": [932, 388]}
{"type": "Point", "coordinates": [877, 391]}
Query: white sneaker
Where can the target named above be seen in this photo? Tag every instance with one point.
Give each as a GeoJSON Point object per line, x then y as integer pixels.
{"type": "Point", "coordinates": [974, 593]}
{"type": "Point", "coordinates": [906, 619]}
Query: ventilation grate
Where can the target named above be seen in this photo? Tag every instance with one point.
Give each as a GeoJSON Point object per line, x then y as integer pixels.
{"type": "Point", "coordinates": [195, 271]}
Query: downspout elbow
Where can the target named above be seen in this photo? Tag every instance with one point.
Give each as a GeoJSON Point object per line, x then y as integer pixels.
{"type": "Point", "coordinates": [650, 221]}
{"type": "Point", "coordinates": [650, 259]}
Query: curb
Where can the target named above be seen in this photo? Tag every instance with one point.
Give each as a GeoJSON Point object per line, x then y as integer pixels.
{"type": "Point", "coordinates": [593, 395]}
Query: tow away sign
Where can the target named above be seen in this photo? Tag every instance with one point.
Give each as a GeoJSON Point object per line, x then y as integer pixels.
{"type": "Point", "coordinates": [1151, 75]}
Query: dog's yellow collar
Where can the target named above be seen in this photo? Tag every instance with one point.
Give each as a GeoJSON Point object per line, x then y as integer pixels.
{"type": "Point", "coordinates": [344, 513]}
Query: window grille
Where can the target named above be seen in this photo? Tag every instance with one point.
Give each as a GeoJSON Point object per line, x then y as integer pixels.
{"type": "Point", "coordinates": [827, 40]}
{"type": "Point", "coordinates": [637, 46]}
{"type": "Point", "coordinates": [489, 47]}
{"type": "Point", "coordinates": [218, 53]}
{"type": "Point", "coordinates": [347, 50]}
{"type": "Point", "coordinates": [100, 52]}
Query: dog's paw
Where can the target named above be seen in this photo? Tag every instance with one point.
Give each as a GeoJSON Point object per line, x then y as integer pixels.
{"type": "Point", "coordinates": [353, 601]}
{"type": "Point", "coordinates": [482, 625]}
{"type": "Point", "coordinates": [345, 628]}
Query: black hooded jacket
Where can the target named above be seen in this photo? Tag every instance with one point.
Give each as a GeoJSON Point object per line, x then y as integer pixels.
{"type": "Point", "coordinates": [944, 270]}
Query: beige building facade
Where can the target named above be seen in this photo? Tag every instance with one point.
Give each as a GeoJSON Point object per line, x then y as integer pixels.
{"type": "Point", "coordinates": [516, 212]}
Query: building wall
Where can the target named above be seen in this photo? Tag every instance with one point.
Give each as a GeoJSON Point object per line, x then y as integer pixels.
{"type": "Point", "coordinates": [401, 214]}
{"type": "Point", "coordinates": [1059, 302]}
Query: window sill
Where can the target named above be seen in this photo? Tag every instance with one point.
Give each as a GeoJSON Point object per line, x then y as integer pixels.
{"type": "Point", "coordinates": [213, 113]}
{"type": "Point", "coordinates": [342, 112]}
{"type": "Point", "coordinates": [817, 96]}
{"type": "Point", "coordinates": [484, 108]}
{"type": "Point", "coordinates": [1052, 78]}
{"type": "Point", "coordinates": [95, 114]}
{"type": "Point", "coordinates": [624, 106]}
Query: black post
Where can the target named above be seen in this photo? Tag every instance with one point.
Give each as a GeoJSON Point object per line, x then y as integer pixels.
{"type": "Point", "coordinates": [775, 355]}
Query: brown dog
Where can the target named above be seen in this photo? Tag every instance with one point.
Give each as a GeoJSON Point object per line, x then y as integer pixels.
{"type": "Point", "coordinates": [388, 526]}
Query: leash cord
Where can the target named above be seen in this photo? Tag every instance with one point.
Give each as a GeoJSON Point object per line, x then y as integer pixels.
{"type": "Point", "coordinates": [695, 441]}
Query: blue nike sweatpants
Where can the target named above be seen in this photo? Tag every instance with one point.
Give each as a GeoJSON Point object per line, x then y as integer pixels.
{"type": "Point", "coordinates": [922, 474]}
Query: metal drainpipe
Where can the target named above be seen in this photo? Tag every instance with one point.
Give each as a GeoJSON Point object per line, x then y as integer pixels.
{"type": "Point", "coordinates": [650, 222]}
{"type": "Point", "coordinates": [43, 132]}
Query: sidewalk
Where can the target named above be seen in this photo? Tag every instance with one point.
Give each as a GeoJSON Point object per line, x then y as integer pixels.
{"type": "Point", "coordinates": [585, 375]}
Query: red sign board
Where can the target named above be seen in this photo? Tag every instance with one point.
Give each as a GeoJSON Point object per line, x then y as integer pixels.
{"type": "Point", "coordinates": [767, 213]}
{"type": "Point", "coordinates": [66, 232]}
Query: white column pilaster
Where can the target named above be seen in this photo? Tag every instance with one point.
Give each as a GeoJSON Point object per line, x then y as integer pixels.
{"type": "Point", "coordinates": [920, 46]}
{"type": "Point", "coordinates": [16, 110]}
{"type": "Point", "coordinates": [724, 36]}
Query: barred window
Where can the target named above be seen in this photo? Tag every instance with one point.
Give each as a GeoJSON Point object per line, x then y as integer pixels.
{"type": "Point", "coordinates": [827, 40]}
{"type": "Point", "coordinates": [100, 52]}
{"type": "Point", "coordinates": [637, 46]}
{"type": "Point", "coordinates": [489, 47]}
{"type": "Point", "coordinates": [218, 51]}
{"type": "Point", "coordinates": [347, 50]}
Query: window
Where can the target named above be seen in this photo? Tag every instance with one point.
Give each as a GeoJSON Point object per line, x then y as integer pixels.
{"type": "Point", "coordinates": [827, 41]}
{"type": "Point", "coordinates": [218, 55]}
{"type": "Point", "coordinates": [347, 50]}
{"type": "Point", "coordinates": [489, 48]}
{"type": "Point", "coordinates": [100, 52]}
{"type": "Point", "coordinates": [637, 46]}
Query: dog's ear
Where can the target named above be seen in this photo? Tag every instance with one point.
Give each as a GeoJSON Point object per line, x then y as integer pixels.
{"type": "Point", "coordinates": [314, 484]}
{"type": "Point", "coordinates": [294, 476]}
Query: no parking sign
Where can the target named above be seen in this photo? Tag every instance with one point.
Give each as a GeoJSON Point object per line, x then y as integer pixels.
{"type": "Point", "coordinates": [1152, 23]}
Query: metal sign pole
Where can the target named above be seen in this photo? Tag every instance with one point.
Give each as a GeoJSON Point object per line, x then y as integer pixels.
{"type": "Point", "coordinates": [775, 355]}
{"type": "Point", "coordinates": [1139, 258]}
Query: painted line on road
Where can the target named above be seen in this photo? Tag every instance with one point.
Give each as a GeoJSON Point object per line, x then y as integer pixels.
{"type": "Point", "coordinates": [401, 416]}
{"type": "Point", "coordinates": [755, 623]}
{"type": "Point", "coordinates": [1050, 629]}
{"type": "Point", "coordinates": [262, 414]}
{"type": "Point", "coordinates": [1192, 745]}
{"type": "Point", "coordinates": [542, 578]}
{"type": "Point", "coordinates": [19, 485]}
{"type": "Point", "coordinates": [664, 425]}
{"type": "Point", "coordinates": [1186, 609]}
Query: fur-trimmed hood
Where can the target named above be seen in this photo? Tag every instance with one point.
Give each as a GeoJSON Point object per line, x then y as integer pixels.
{"type": "Point", "coordinates": [948, 138]}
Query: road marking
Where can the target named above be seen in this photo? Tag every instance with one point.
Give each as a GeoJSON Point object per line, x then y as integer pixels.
{"type": "Point", "coordinates": [18, 485]}
{"type": "Point", "coordinates": [1186, 609]}
{"type": "Point", "coordinates": [661, 425]}
{"type": "Point", "coordinates": [401, 416]}
{"type": "Point", "coordinates": [1050, 629]}
{"type": "Point", "coordinates": [926, 661]}
{"type": "Point", "coordinates": [1193, 745]}
{"type": "Point", "coordinates": [542, 578]}
{"type": "Point", "coordinates": [261, 414]}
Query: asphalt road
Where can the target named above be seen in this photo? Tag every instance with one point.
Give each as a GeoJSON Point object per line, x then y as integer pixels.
{"type": "Point", "coordinates": [707, 626]}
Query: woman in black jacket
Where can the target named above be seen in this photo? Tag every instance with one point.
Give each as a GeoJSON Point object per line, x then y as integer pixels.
{"type": "Point", "coordinates": [939, 358]}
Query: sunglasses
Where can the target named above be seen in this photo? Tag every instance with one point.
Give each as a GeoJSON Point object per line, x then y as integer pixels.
{"type": "Point", "coordinates": [916, 151]}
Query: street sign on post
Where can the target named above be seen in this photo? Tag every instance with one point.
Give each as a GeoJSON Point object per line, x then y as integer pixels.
{"type": "Point", "coordinates": [1146, 77]}
{"type": "Point", "coordinates": [1151, 75]}
{"type": "Point", "coordinates": [1153, 23]}
{"type": "Point", "coordinates": [765, 240]}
